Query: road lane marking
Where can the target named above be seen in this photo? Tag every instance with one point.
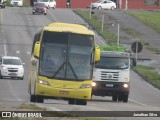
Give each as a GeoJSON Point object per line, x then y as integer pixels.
{"type": "Point", "coordinates": [13, 93]}
{"type": "Point", "coordinates": [28, 52]}
{"type": "Point", "coordinates": [52, 108]}
{"type": "Point", "coordinates": [17, 51]}
{"type": "Point", "coordinates": [53, 15]}
{"type": "Point", "coordinates": [140, 103]}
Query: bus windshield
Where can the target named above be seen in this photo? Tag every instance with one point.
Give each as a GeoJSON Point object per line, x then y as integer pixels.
{"type": "Point", "coordinates": [113, 63]}
{"type": "Point", "coordinates": [66, 56]}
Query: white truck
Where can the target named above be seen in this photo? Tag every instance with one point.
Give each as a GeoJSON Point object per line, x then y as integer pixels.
{"type": "Point", "coordinates": [112, 74]}
{"type": "Point", "coordinates": [2, 3]}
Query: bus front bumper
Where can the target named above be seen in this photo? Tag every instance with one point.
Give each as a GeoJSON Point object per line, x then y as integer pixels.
{"type": "Point", "coordinates": [51, 92]}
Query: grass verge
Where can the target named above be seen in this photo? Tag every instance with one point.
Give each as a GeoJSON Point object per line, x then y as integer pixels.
{"type": "Point", "coordinates": [149, 74]}
{"type": "Point", "coordinates": [149, 18]}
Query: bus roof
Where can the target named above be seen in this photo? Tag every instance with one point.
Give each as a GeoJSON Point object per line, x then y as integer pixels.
{"type": "Point", "coordinates": [68, 27]}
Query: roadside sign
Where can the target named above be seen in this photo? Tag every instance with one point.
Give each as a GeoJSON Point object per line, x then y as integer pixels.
{"type": "Point", "coordinates": [137, 47]}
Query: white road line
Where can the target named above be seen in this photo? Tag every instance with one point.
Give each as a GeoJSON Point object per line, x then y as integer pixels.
{"type": "Point", "coordinates": [140, 103]}
{"type": "Point", "coordinates": [5, 48]}
{"type": "Point", "coordinates": [28, 52]}
{"type": "Point", "coordinates": [17, 51]}
{"type": "Point", "coordinates": [52, 108]}
{"type": "Point", "coordinates": [12, 91]}
{"type": "Point", "coordinates": [1, 18]}
{"type": "Point", "coordinates": [53, 15]}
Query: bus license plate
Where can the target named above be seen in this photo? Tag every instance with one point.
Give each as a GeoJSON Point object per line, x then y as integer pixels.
{"type": "Point", "coordinates": [109, 85]}
{"type": "Point", "coordinates": [64, 92]}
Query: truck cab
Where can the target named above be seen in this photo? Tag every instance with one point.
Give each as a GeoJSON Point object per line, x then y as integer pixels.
{"type": "Point", "coordinates": [112, 75]}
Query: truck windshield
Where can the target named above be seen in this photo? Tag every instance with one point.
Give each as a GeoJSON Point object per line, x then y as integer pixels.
{"type": "Point", "coordinates": [113, 63]}
{"type": "Point", "coordinates": [66, 56]}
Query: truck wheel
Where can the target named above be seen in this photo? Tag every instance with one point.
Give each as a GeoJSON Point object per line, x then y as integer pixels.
{"type": "Point", "coordinates": [114, 98]}
{"type": "Point", "coordinates": [119, 98]}
{"type": "Point", "coordinates": [125, 98]}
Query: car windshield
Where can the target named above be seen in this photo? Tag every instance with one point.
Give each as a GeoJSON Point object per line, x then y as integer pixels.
{"type": "Point", "coordinates": [11, 62]}
{"type": "Point", "coordinates": [43, 1]}
{"type": "Point", "coordinates": [16, 0]}
{"type": "Point", "coordinates": [113, 63]}
{"type": "Point", "coordinates": [39, 4]}
{"type": "Point", "coordinates": [99, 1]}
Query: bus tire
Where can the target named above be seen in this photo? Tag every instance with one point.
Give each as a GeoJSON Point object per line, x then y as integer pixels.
{"type": "Point", "coordinates": [40, 99]}
{"type": "Point", "coordinates": [32, 98]}
{"type": "Point", "coordinates": [71, 101]}
{"type": "Point", "coordinates": [81, 102]}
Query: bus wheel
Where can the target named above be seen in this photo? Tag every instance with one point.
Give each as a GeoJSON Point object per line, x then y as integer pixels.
{"type": "Point", "coordinates": [125, 98]}
{"type": "Point", "coordinates": [114, 98]}
{"type": "Point", "coordinates": [71, 101]}
{"type": "Point", "coordinates": [40, 99]}
{"type": "Point", "coordinates": [81, 102]}
{"type": "Point", "coordinates": [32, 98]}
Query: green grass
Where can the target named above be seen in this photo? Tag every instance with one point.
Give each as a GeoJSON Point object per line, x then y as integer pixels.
{"type": "Point", "coordinates": [131, 31]}
{"type": "Point", "coordinates": [149, 74]}
{"type": "Point", "coordinates": [151, 19]}
{"type": "Point", "coordinates": [110, 37]}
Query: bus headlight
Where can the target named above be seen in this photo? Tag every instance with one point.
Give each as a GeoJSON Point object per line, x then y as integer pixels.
{"type": "Point", "coordinates": [85, 86]}
{"type": "Point", "coordinates": [43, 82]}
{"type": "Point", "coordinates": [93, 84]}
{"type": "Point", "coordinates": [125, 85]}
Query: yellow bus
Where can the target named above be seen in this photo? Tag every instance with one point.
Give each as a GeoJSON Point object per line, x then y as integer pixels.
{"type": "Point", "coordinates": [62, 61]}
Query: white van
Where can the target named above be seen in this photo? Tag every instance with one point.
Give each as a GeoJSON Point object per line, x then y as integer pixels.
{"type": "Point", "coordinates": [11, 66]}
{"type": "Point", "coordinates": [48, 3]}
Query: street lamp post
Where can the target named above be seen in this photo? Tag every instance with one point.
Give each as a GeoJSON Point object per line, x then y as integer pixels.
{"type": "Point", "coordinates": [118, 26]}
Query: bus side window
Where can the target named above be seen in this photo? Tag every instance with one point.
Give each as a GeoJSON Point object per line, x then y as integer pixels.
{"type": "Point", "coordinates": [36, 38]}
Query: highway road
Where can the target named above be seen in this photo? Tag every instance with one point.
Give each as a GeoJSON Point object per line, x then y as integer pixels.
{"type": "Point", "coordinates": [17, 29]}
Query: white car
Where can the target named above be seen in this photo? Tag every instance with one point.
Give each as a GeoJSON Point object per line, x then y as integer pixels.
{"type": "Point", "coordinates": [104, 4]}
{"type": "Point", "coordinates": [48, 3]}
{"type": "Point", "coordinates": [18, 3]}
{"type": "Point", "coordinates": [11, 66]}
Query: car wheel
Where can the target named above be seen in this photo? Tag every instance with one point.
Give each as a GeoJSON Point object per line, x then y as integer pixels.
{"type": "Point", "coordinates": [1, 77]}
{"type": "Point", "coordinates": [21, 78]}
{"type": "Point", "coordinates": [45, 13]}
{"type": "Point", "coordinates": [33, 13]}
{"type": "Point", "coordinates": [112, 8]}
{"type": "Point", "coordinates": [99, 7]}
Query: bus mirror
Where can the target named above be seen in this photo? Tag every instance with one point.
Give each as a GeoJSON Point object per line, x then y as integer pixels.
{"type": "Point", "coordinates": [36, 49]}
{"type": "Point", "coordinates": [97, 54]}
